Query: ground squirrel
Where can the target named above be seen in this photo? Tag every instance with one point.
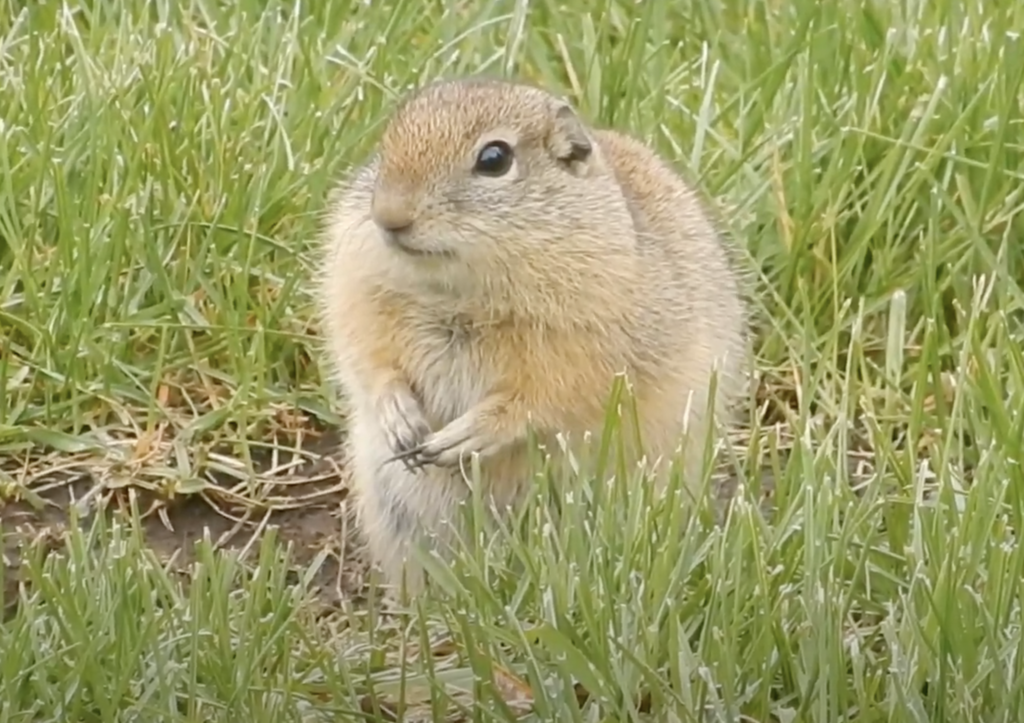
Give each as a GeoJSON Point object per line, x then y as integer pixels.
{"type": "Point", "coordinates": [495, 265]}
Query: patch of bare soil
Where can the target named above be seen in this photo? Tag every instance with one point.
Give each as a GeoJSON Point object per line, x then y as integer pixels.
{"type": "Point", "coordinates": [308, 510]}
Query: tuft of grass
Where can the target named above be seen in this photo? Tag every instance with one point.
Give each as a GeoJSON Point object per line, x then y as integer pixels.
{"type": "Point", "coordinates": [163, 168]}
{"type": "Point", "coordinates": [106, 632]}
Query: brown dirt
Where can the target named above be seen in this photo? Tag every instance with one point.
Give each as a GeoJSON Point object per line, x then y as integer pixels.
{"type": "Point", "coordinates": [318, 520]}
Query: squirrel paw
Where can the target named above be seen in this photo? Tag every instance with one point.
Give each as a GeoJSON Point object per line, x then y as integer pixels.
{"type": "Point", "coordinates": [449, 445]}
{"type": "Point", "coordinates": [401, 417]}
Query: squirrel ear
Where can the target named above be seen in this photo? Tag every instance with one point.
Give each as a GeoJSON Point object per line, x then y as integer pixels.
{"type": "Point", "coordinates": [569, 141]}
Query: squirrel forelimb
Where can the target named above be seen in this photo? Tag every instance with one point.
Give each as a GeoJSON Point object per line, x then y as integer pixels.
{"type": "Point", "coordinates": [485, 429]}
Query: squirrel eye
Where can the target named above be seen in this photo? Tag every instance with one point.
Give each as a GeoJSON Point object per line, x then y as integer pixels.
{"type": "Point", "coordinates": [494, 159]}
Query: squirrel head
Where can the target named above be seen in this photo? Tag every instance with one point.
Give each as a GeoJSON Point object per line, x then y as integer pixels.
{"type": "Point", "coordinates": [489, 182]}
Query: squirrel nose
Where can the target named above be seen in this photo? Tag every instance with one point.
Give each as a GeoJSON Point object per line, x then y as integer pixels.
{"type": "Point", "coordinates": [392, 213]}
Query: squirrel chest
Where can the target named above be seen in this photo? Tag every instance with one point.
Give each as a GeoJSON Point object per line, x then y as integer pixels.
{"type": "Point", "coordinates": [452, 361]}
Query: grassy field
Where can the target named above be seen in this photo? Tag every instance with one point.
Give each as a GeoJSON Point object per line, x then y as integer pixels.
{"type": "Point", "coordinates": [162, 172]}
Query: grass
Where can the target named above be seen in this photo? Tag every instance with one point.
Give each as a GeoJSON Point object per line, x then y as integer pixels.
{"type": "Point", "coordinates": [162, 171]}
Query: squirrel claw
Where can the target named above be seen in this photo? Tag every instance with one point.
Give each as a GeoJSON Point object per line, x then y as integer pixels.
{"type": "Point", "coordinates": [414, 458]}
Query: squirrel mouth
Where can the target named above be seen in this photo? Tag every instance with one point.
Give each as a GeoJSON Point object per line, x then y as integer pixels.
{"type": "Point", "coordinates": [400, 242]}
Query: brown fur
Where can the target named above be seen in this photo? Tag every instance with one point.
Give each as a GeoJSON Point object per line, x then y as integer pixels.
{"type": "Point", "coordinates": [514, 301]}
